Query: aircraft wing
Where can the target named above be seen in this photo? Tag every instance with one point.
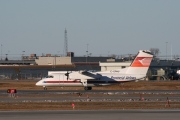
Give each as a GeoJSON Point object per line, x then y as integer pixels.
{"type": "Point", "coordinates": [84, 75]}
{"type": "Point", "coordinates": [89, 74]}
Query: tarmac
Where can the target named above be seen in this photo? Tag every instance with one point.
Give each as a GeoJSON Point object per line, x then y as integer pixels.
{"type": "Point", "coordinates": [116, 98]}
{"type": "Point", "coordinates": [90, 115]}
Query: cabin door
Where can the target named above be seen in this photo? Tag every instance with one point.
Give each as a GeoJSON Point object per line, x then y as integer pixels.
{"type": "Point", "coordinates": [62, 80]}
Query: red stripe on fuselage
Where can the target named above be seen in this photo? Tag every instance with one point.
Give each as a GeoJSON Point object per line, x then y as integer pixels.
{"type": "Point", "coordinates": [91, 82]}
{"type": "Point", "coordinates": [61, 81]}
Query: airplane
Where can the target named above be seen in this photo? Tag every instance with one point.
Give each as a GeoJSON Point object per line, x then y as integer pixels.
{"type": "Point", "coordinates": [136, 71]}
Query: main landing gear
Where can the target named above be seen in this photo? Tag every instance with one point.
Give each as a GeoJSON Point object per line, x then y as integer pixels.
{"type": "Point", "coordinates": [87, 88]}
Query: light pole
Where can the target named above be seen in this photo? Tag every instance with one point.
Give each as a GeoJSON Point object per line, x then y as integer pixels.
{"type": "Point", "coordinates": [6, 58]}
{"type": "Point", "coordinates": [87, 52]}
{"type": "Point", "coordinates": [23, 56]}
{"type": "Point", "coordinates": [1, 51]}
{"type": "Point", "coordinates": [166, 50]}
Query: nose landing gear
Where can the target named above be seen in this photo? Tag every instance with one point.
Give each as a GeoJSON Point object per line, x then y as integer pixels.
{"type": "Point", "coordinates": [45, 88]}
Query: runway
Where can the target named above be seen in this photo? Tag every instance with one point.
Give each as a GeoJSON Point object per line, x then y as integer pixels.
{"type": "Point", "coordinates": [89, 115]}
{"type": "Point", "coordinates": [89, 100]}
{"type": "Point", "coordinates": [94, 95]}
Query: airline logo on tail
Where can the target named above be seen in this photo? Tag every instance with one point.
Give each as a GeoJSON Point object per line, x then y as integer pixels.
{"type": "Point", "coordinates": [142, 62]}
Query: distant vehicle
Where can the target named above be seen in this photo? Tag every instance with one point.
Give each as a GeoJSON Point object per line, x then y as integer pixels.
{"type": "Point", "coordinates": [178, 72]}
{"type": "Point", "coordinates": [173, 75]}
{"type": "Point", "coordinates": [137, 70]}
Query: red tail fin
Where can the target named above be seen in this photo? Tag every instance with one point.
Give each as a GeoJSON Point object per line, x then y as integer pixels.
{"type": "Point", "coordinates": [141, 62]}
{"type": "Point", "coordinates": [143, 59]}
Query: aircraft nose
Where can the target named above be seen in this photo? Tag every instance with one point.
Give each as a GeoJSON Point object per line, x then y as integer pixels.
{"type": "Point", "coordinates": [38, 83]}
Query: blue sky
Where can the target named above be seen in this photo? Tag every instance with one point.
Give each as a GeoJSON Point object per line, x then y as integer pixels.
{"type": "Point", "coordinates": [108, 26]}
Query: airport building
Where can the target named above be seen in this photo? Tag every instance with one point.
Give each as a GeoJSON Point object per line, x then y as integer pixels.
{"type": "Point", "coordinates": [36, 67]}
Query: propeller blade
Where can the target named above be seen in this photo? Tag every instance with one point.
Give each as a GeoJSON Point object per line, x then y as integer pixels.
{"type": "Point", "coordinates": [67, 74]}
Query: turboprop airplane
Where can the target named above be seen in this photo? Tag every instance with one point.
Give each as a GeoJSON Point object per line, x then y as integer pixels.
{"type": "Point", "coordinates": [136, 71]}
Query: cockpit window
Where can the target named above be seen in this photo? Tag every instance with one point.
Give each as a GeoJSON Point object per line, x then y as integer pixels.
{"type": "Point", "coordinates": [49, 76]}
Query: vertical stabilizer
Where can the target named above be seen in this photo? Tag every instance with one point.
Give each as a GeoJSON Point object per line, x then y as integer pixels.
{"type": "Point", "coordinates": [141, 63]}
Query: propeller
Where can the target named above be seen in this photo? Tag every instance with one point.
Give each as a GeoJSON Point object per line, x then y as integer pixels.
{"type": "Point", "coordinates": [67, 74]}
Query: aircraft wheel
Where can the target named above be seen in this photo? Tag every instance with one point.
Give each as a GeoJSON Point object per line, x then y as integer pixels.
{"type": "Point", "coordinates": [87, 88]}
{"type": "Point", "coordinates": [45, 88]}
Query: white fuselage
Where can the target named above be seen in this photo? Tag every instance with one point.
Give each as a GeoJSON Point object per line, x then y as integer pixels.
{"type": "Point", "coordinates": [59, 79]}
